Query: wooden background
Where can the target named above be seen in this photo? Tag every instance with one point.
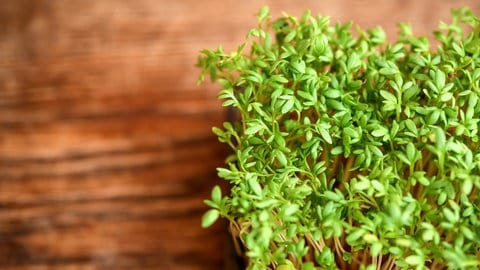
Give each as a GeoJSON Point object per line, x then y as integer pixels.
{"type": "Point", "coordinates": [106, 151]}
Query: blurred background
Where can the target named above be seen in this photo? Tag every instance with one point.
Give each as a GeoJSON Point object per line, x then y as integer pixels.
{"type": "Point", "coordinates": [106, 150]}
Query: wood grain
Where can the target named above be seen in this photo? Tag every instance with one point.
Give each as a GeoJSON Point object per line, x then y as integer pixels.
{"type": "Point", "coordinates": [106, 150]}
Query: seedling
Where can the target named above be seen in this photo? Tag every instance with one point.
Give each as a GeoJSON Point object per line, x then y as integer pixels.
{"type": "Point", "coordinates": [351, 152]}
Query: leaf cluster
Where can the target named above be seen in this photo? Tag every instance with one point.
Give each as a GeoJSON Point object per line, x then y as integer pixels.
{"type": "Point", "coordinates": [351, 151]}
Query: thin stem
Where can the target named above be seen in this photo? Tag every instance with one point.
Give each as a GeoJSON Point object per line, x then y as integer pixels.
{"type": "Point", "coordinates": [317, 245]}
{"type": "Point", "coordinates": [322, 243]}
{"type": "Point", "coordinates": [388, 263]}
{"type": "Point", "coordinates": [338, 250]}
{"type": "Point", "coordinates": [384, 266]}
{"type": "Point", "coordinates": [290, 255]}
{"type": "Point", "coordinates": [235, 231]}
{"type": "Point", "coordinates": [379, 262]}
{"type": "Point", "coordinates": [337, 241]}
{"type": "Point", "coordinates": [392, 265]}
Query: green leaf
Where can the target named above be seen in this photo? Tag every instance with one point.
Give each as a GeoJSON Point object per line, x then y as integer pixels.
{"type": "Point", "coordinates": [370, 238]}
{"type": "Point", "coordinates": [388, 96]}
{"type": "Point", "coordinates": [375, 150]}
{"type": "Point", "coordinates": [410, 93]}
{"type": "Point", "coordinates": [325, 135]}
{"type": "Point", "coordinates": [308, 135]}
{"type": "Point", "coordinates": [254, 76]}
{"type": "Point", "coordinates": [388, 71]}
{"type": "Point", "coordinates": [279, 78]}
{"type": "Point", "coordinates": [460, 51]}
{"type": "Point", "coordinates": [288, 105]}
{"type": "Point", "coordinates": [442, 198]}
{"type": "Point", "coordinates": [403, 158]}
{"type": "Point", "coordinates": [209, 218]}
{"type": "Point", "coordinates": [216, 194]}
{"type": "Point", "coordinates": [254, 185]}
{"type": "Point", "coordinates": [433, 117]}
{"type": "Point", "coordinates": [467, 186]}
{"type": "Point", "coordinates": [218, 132]}
{"type": "Point", "coordinates": [288, 265]}
{"type": "Point", "coordinates": [298, 66]}
{"type": "Point", "coordinates": [266, 203]}
{"type": "Point", "coordinates": [353, 62]}
{"type": "Point", "coordinates": [354, 236]}
{"type": "Point", "coordinates": [439, 79]}
{"type": "Point", "coordinates": [281, 157]}
{"type": "Point", "coordinates": [428, 235]}
{"type": "Point", "coordinates": [254, 128]}
{"type": "Point", "coordinates": [411, 152]}
{"type": "Point", "coordinates": [467, 232]}
{"type": "Point", "coordinates": [380, 132]}
{"type": "Point", "coordinates": [414, 260]}
{"type": "Point", "coordinates": [335, 104]}
{"type": "Point", "coordinates": [224, 173]}
{"type": "Point", "coordinates": [376, 248]}
{"type": "Point", "coordinates": [332, 196]}
{"type": "Point", "coordinates": [337, 150]}
{"type": "Point", "coordinates": [290, 209]}
{"type": "Point", "coordinates": [263, 14]}
{"type": "Point", "coordinates": [362, 185]}
{"type": "Point", "coordinates": [440, 140]}
{"type": "Point", "coordinates": [378, 186]}
{"type": "Point", "coordinates": [332, 93]}
{"type": "Point", "coordinates": [411, 126]}
{"type": "Point", "coordinates": [444, 97]}
{"type": "Point", "coordinates": [451, 217]}
{"type": "Point", "coordinates": [290, 36]}
{"type": "Point", "coordinates": [423, 180]}
{"type": "Point", "coordinates": [308, 266]}
{"type": "Point", "coordinates": [350, 132]}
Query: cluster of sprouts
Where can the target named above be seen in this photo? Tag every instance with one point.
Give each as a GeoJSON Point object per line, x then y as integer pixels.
{"type": "Point", "coordinates": [351, 152]}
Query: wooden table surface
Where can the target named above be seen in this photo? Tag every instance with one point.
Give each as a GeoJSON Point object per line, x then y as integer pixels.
{"type": "Point", "coordinates": [106, 150]}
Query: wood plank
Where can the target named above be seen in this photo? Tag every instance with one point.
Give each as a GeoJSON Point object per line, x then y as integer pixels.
{"type": "Point", "coordinates": [151, 178]}
{"type": "Point", "coordinates": [84, 136]}
{"type": "Point", "coordinates": [196, 105]}
{"type": "Point", "coordinates": [115, 242]}
{"type": "Point", "coordinates": [71, 165]}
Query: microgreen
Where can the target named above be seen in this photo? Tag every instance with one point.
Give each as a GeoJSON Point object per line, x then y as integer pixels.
{"type": "Point", "coordinates": [351, 151]}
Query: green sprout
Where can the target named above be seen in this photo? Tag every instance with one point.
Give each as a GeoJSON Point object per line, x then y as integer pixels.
{"type": "Point", "coordinates": [351, 152]}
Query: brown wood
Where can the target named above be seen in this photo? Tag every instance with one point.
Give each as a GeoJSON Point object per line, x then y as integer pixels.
{"type": "Point", "coordinates": [106, 150]}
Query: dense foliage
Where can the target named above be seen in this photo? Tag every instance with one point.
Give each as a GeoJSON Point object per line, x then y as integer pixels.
{"type": "Point", "coordinates": [350, 151]}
